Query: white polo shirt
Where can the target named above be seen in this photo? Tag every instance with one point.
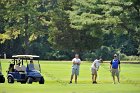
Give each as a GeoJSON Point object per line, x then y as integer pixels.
{"type": "Point", "coordinates": [78, 60]}
{"type": "Point", "coordinates": [97, 62]}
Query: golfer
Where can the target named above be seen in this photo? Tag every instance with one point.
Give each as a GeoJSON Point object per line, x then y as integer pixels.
{"type": "Point", "coordinates": [114, 65]}
{"type": "Point", "coordinates": [31, 65]}
{"type": "Point", "coordinates": [94, 68]}
{"type": "Point", "coordinates": [75, 68]}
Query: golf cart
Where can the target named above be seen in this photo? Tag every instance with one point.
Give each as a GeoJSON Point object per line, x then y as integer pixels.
{"type": "Point", "coordinates": [2, 79]}
{"type": "Point", "coordinates": [19, 72]}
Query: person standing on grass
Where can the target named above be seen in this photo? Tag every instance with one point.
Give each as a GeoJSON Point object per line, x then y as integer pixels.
{"type": "Point", "coordinates": [114, 65]}
{"type": "Point", "coordinates": [75, 68]}
{"type": "Point", "coordinates": [94, 68]}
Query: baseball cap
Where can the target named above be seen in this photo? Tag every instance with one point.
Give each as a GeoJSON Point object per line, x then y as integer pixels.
{"type": "Point", "coordinates": [115, 55]}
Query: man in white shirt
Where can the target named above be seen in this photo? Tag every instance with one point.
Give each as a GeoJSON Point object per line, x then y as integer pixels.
{"type": "Point", "coordinates": [75, 67]}
{"type": "Point", "coordinates": [94, 68]}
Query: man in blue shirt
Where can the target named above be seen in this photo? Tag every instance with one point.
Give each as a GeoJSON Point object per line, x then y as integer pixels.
{"type": "Point", "coordinates": [31, 65]}
{"type": "Point", "coordinates": [114, 65]}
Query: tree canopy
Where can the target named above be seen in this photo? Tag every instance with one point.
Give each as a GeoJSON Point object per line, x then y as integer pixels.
{"type": "Point", "coordinates": [55, 29]}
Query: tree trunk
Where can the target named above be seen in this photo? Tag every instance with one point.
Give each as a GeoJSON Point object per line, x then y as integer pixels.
{"type": "Point", "coordinates": [27, 43]}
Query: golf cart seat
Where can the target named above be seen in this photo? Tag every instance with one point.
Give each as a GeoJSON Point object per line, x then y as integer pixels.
{"type": "Point", "coordinates": [18, 68]}
{"type": "Point", "coordinates": [23, 68]}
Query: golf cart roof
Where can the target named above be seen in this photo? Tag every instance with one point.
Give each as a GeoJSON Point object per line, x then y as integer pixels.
{"type": "Point", "coordinates": [25, 56]}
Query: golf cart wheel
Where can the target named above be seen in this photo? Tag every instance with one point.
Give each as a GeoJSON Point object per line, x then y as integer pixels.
{"type": "Point", "coordinates": [41, 80]}
{"type": "Point", "coordinates": [30, 80]}
{"type": "Point", "coordinates": [10, 79]}
{"type": "Point", "coordinates": [3, 80]}
{"type": "Point", "coordinates": [23, 82]}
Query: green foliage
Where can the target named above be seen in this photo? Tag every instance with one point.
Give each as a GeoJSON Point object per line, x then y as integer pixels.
{"type": "Point", "coordinates": [89, 56]}
{"type": "Point", "coordinates": [23, 19]}
{"type": "Point", "coordinates": [106, 53]}
{"type": "Point", "coordinates": [62, 36]}
{"type": "Point", "coordinates": [56, 29]}
{"type": "Point", "coordinates": [58, 55]}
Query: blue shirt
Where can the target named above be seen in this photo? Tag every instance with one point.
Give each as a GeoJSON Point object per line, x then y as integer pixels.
{"type": "Point", "coordinates": [31, 66]}
{"type": "Point", "coordinates": [115, 63]}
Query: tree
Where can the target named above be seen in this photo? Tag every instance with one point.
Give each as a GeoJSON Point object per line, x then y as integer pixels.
{"type": "Point", "coordinates": [94, 17]}
{"type": "Point", "coordinates": [89, 27]}
{"type": "Point", "coordinates": [62, 36]}
{"type": "Point", "coordinates": [131, 23]}
{"type": "Point", "coordinates": [125, 34]}
{"type": "Point", "coordinates": [103, 18]}
{"type": "Point", "coordinates": [24, 20]}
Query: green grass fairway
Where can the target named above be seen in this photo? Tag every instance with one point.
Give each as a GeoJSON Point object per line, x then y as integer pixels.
{"type": "Point", "coordinates": [57, 76]}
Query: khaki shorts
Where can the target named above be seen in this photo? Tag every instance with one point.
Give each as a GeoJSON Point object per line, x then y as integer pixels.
{"type": "Point", "coordinates": [93, 71]}
{"type": "Point", "coordinates": [115, 72]}
{"type": "Point", "coordinates": [75, 71]}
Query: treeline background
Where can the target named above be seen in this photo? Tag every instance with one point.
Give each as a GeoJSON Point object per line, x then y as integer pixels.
{"type": "Point", "coordinates": [57, 29]}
